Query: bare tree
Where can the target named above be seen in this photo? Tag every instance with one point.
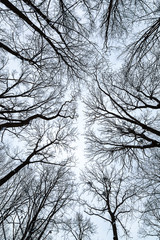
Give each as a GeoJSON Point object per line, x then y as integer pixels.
{"type": "Point", "coordinates": [135, 21]}
{"type": "Point", "coordinates": [42, 48]}
{"type": "Point", "coordinates": [125, 111]}
{"type": "Point", "coordinates": [123, 120]}
{"type": "Point", "coordinates": [44, 146]}
{"type": "Point", "coordinates": [150, 187]}
{"type": "Point", "coordinates": [150, 217]}
{"type": "Point", "coordinates": [35, 113]}
{"type": "Point", "coordinates": [110, 196]}
{"type": "Point", "coordinates": [29, 95]}
{"type": "Point", "coordinates": [78, 228]}
{"type": "Point", "coordinates": [33, 209]}
{"type": "Point", "coordinates": [47, 34]}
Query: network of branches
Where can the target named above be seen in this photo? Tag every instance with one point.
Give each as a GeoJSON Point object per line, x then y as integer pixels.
{"type": "Point", "coordinates": [55, 54]}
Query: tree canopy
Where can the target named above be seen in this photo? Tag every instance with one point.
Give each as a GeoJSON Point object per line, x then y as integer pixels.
{"type": "Point", "coordinates": [54, 54]}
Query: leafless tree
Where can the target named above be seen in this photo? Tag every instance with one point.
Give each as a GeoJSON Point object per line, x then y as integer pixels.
{"type": "Point", "coordinates": [136, 21]}
{"type": "Point", "coordinates": [123, 119]}
{"type": "Point", "coordinates": [35, 113]}
{"type": "Point", "coordinates": [151, 217]}
{"type": "Point", "coordinates": [150, 187]}
{"type": "Point", "coordinates": [44, 146]}
{"type": "Point", "coordinates": [33, 208]}
{"type": "Point", "coordinates": [110, 196]}
{"type": "Point", "coordinates": [47, 34]}
{"type": "Point", "coordinates": [78, 228]}
{"type": "Point", "coordinates": [42, 48]}
{"type": "Point", "coordinates": [125, 113]}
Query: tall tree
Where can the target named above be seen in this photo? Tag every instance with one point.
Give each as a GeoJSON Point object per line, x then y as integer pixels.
{"type": "Point", "coordinates": [45, 34]}
{"type": "Point", "coordinates": [35, 98]}
{"type": "Point", "coordinates": [110, 196]}
{"type": "Point", "coordinates": [78, 228]}
{"type": "Point", "coordinates": [131, 27]}
{"type": "Point", "coordinates": [149, 183]}
{"type": "Point", "coordinates": [125, 110]}
{"type": "Point", "coordinates": [43, 48]}
{"type": "Point", "coordinates": [37, 205]}
{"type": "Point", "coordinates": [123, 119]}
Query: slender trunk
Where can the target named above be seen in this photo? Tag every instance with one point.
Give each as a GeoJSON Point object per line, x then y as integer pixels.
{"type": "Point", "coordinates": [113, 218]}
{"type": "Point", "coordinates": [115, 234]}
{"type": "Point", "coordinates": [114, 227]}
